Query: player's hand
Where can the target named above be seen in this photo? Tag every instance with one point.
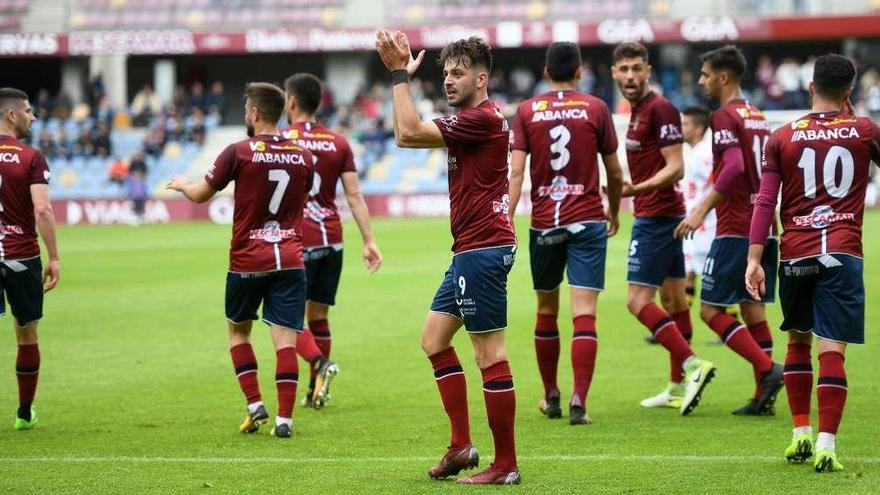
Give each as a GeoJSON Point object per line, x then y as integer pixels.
{"type": "Point", "coordinates": [393, 54]}
{"type": "Point", "coordinates": [755, 281]}
{"type": "Point", "coordinates": [413, 65]}
{"type": "Point", "coordinates": [51, 275]}
{"type": "Point", "coordinates": [613, 223]}
{"type": "Point", "coordinates": [627, 190]}
{"type": "Point", "coordinates": [372, 257]}
{"type": "Point", "coordinates": [177, 183]}
{"type": "Point", "coordinates": [689, 225]}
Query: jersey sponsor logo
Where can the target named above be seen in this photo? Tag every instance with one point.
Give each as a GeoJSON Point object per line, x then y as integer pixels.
{"type": "Point", "coordinates": [800, 271]}
{"type": "Point", "coordinates": [566, 114]}
{"type": "Point", "coordinates": [10, 147]}
{"type": "Point", "coordinates": [540, 105]}
{"type": "Point", "coordinates": [749, 112]}
{"type": "Point", "coordinates": [837, 122]}
{"type": "Point", "coordinates": [756, 124]}
{"type": "Point", "coordinates": [670, 132]}
{"type": "Point", "coordinates": [824, 134]}
{"type": "Point", "coordinates": [257, 146]}
{"type": "Point", "coordinates": [272, 233]}
{"type": "Point", "coordinates": [800, 124]}
{"type": "Point", "coordinates": [502, 206]}
{"type": "Point", "coordinates": [10, 230]}
{"type": "Point", "coordinates": [559, 188]}
{"type": "Point", "coordinates": [316, 212]}
{"type": "Point", "coordinates": [822, 217]}
{"type": "Point", "coordinates": [318, 145]}
{"type": "Point", "coordinates": [9, 158]}
{"type": "Point", "coordinates": [451, 162]}
{"type": "Point", "coordinates": [284, 147]}
{"type": "Point", "coordinates": [724, 136]}
{"type": "Point", "coordinates": [282, 158]}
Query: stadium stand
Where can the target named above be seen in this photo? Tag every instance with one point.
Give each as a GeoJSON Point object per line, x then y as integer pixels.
{"type": "Point", "coordinates": [141, 14]}
{"type": "Point", "coordinates": [11, 14]}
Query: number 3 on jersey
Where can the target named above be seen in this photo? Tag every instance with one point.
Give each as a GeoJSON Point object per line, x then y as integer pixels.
{"type": "Point", "coordinates": [561, 137]}
{"type": "Point", "coordinates": [283, 179]}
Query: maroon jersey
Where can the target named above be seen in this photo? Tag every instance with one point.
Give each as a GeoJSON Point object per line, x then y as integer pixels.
{"type": "Point", "coordinates": [478, 141]}
{"type": "Point", "coordinates": [823, 160]}
{"type": "Point", "coordinates": [20, 166]}
{"type": "Point", "coordinates": [321, 225]}
{"type": "Point", "coordinates": [272, 177]}
{"type": "Point", "coordinates": [564, 131]}
{"type": "Point", "coordinates": [741, 124]}
{"type": "Point", "coordinates": [653, 124]}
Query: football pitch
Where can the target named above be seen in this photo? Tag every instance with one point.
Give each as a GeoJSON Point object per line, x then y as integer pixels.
{"type": "Point", "coordinates": [137, 392]}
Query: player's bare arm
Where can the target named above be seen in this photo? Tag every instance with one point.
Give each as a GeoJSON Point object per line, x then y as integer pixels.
{"type": "Point", "coordinates": [517, 174]}
{"type": "Point", "coordinates": [45, 222]}
{"type": "Point", "coordinates": [352, 187]}
{"type": "Point", "coordinates": [614, 177]}
{"type": "Point", "coordinates": [409, 130]}
{"type": "Point", "coordinates": [197, 192]}
{"type": "Point", "coordinates": [666, 177]}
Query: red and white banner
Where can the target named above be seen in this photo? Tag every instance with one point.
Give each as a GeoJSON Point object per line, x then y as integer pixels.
{"type": "Point", "coordinates": [507, 34]}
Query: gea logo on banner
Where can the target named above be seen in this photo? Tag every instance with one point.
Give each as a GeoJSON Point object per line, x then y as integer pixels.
{"type": "Point", "coordinates": [613, 31]}
{"type": "Point", "coordinates": [709, 29]}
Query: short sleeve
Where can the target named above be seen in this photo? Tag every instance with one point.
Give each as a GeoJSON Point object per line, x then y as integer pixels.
{"type": "Point", "coordinates": [347, 159]}
{"type": "Point", "coordinates": [724, 134]}
{"type": "Point", "coordinates": [607, 133]}
{"type": "Point", "coordinates": [667, 125]}
{"type": "Point", "coordinates": [466, 127]}
{"type": "Point", "coordinates": [39, 169]}
{"type": "Point", "coordinates": [520, 138]}
{"type": "Point", "coordinates": [770, 159]}
{"type": "Point", "coordinates": [223, 171]}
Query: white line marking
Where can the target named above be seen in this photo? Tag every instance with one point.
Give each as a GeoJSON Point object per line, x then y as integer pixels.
{"type": "Point", "coordinates": [322, 460]}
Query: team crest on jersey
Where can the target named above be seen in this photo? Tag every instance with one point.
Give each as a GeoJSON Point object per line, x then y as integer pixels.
{"type": "Point", "coordinates": [822, 217]}
{"type": "Point", "coordinates": [559, 188]}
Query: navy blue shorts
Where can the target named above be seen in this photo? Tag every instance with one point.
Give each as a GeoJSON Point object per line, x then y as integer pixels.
{"type": "Point", "coordinates": [474, 288]}
{"type": "Point", "coordinates": [825, 295]}
{"type": "Point", "coordinates": [282, 294]}
{"type": "Point", "coordinates": [21, 282]}
{"type": "Point", "coordinates": [654, 253]}
{"type": "Point", "coordinates": [323, 270]}
{"type": "Point", "coordinates": [581, 246]}
{"type": "Point", "coordinates": [724, 272]}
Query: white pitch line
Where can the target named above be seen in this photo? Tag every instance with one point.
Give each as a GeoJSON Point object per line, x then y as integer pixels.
{"type": "Point", "coordinates": [341, 460]}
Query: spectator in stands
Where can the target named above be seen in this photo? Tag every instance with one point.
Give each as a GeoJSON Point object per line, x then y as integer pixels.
{"type": "Point", "coordinates": [145, 106]}
{"type": "Point", "coordinates": [46, 143]}
{"type": "Point", "coordinates": [179, 99]}
{"type": "Point", "coordinates": [97, 90]}
{"type": "Point", "coordinates": [197, 98]}
{"type": "Point", "coordinates": [770, 97]}
{"type": "Point", "coordinates": [138, 163]}
{"type": "Point", "coordinates": [216, 101]}
{"type": "Point", "coordinates": [196, 128]}
{"type": "Point", "coordinates": [82, 146]}
{"type": "Point", "coordinates": [62, 105]}
{"type": "Point", "coordinates": [806, 75]}
{"type": "Point", "coordinates": [43, 104]}
{"type": "Point", "coordinates": [118, 172]}
{"type": "Point", "coordinates": [101, 145]}
{"type": "Point", "coordinates": [154, 141]}
{"type": "Point", "coordinates": [103, 112]}
{"type": "Point", "coordinates": [870, 89]}
{"type": "Point", "coordinates": [789, 78]}
{"type": "Point", "coordinates": [522, 80]}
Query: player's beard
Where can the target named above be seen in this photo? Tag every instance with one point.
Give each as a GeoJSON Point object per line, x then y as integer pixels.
{"type": "Point", "coordinates": [22, 128]}
{"type": "Point", "coordinates": [640, 91]}
{"type": "Point", "coordinates": [461, 97]}
{"type": "Point", "coordinates": [250, 130]}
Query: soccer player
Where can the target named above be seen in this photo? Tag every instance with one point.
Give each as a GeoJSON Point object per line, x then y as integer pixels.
{"type": "Point", "coordinates": [322, 228]}
{"type": "Point", "coordinates": [564, 131]}
{"type": "Point", "coordinates": [272, 178]}
{"type": "Point", "coordinates": [474, 290]}
{"type": "Point", "coordinates": [739, 132]}
{"type": "Point", "coordinates": [697, 184]}
{"type": "Point", "coordinates": [822, 162]}
{"type": "Point", "coordinates": [24, 210]}
{"type": "Point", "coordinates": [656, 261]}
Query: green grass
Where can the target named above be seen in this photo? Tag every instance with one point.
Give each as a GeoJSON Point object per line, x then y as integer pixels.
{"type": "Point", "coordinates": [137, 394]}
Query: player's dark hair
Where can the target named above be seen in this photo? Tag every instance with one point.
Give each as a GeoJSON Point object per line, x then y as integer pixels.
{"type": "Point", "coordinates": [563, 60]}
{"type": "Point", "coordinates": [727, 58]}
{"type": "Point", "coordinates": [468, 52]}
{"type": "Point", "coordinates": [699, 114]}
{"type": "Point", "coordinates": [268, 98]}
{"type": "Point", "coordinates": [629, 50]}
{"type": "Point", "coordinates": [11, 96]}
{"type": "Point", "coordinates": [306, 88]}
{"type": "Point", "coordinates": [833, 75]}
